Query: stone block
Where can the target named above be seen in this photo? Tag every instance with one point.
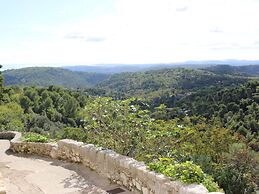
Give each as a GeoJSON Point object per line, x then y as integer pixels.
{"type": "Point", "coordinates": [193, 189]}
{"type": "Point", "coordinates": [170, 187]}
{"type": "Point", "coordinates": [145, 190]}
{"type": "Point", "coordinates": [151, 180]}
{"type": "Point", "coordinates": [100, 158]}
{"type": "Point", "coordinates": [124, 179]}
{"type": "Point", "coordinates": [141, 173]}
{"type": "Point", "coordinates": [54, 152]}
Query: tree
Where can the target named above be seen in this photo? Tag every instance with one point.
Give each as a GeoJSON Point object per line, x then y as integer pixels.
{"type": "Point", "coordinates": [11, 117]}
{"type": "Point", "coordinates": [71, 107]}
{"type": "Point", "coordinates": [115, 124]}
{"type": "Point", "coordinates": [25, 103]}
{"type": "Point", "coordinates": [31, 93]}
{"type": "Point", "coordinates": [1, 84]}
{"type": "Point", "coordinates": [239, 174]}
{"type": "Point", "coordinates": [47, 103]}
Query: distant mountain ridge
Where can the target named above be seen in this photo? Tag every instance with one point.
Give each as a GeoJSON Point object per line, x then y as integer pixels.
{"type": "Point", "coordinates": [232, 62]}
{"type": "Point", "coordinates": [133, 81]}
{"type": "Point", "coordinates": [45, 76]}
{"type": "Point", "coordinates": [110, 68]}
{"type": "Point", "coordinates": [248, 70]}
{"type": "Point", "coordinates": [121, 68]}
{"type": "Point", "coordinates": [167, 80]}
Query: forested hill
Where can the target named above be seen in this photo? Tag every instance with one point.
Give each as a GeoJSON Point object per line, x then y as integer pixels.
{"type": "Point", "coordinates": [156, 82]}
{"type": "Point", "coordinates": [45, 76]}
{"type": "Point", "coordinates": [248, 70]}
{"type": "Point", "coordinates": [194, 126]}
{"type": "Point", "coordinates": [125, 84]}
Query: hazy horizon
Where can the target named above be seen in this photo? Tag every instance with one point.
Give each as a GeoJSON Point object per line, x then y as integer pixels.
{"type": "Point", "coordinates": [232, 62]}
{"type": "Point", "coordinates": [87, 32]}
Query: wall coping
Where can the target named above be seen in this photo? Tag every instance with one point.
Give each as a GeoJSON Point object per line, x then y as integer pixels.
{"type": "Point", "coordinates": [123, 170]}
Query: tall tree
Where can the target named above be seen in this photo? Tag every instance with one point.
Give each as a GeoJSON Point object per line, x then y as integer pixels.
{"type": "Point", "coordinates": [25, 103]}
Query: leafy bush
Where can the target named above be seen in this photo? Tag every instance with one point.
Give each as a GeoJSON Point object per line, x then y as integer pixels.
{"type": "Point", "coordinates": [240, 170]}
{"type": "Point", "coordinates": [157, 126]}
{"type": "Point", "coordinates": [11, 117]}
{"type": "Point", "coordinates": [186, 172]}
{"type": "Point", "coordinates": [78, 134]}
{"type": "Point", "coordinates": [34, 137]}
{"type": "Point", "coordinates": [115, 124]}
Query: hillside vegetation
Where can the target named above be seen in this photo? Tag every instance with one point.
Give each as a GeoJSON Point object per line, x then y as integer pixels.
{"type": "Point", "coordinates": [248, 70]}
{"type": "Point", "coordinates": [158, 82]}
{"type": "Point", "coordinates": [46, 76]}
{"type": "Point", "coordinates": [191, 125]}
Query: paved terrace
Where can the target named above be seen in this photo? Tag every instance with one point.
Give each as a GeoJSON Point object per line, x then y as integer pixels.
{"type": "Point", "coordinates": [27, 174]}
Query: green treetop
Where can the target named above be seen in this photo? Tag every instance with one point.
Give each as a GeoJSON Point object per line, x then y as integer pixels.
{"type": "Point", "coordinates": [1, 84]}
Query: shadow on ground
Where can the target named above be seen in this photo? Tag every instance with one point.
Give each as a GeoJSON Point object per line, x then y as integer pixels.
{"type": "Point", "coordinates": [84, 178]}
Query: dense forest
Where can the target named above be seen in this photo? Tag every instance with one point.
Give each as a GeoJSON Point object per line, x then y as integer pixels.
{"type": "Point", "coordinates": [158, 83]}
{"type": "Point", "coordinates": [45, 76]}
{"type": "Point", "coordinates": [192, 125]}
{"type": "Point", "coordinates": [248, 70]}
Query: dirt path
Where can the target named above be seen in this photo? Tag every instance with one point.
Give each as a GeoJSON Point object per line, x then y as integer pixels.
{"type": "Point", "coordinates": [25, 174]}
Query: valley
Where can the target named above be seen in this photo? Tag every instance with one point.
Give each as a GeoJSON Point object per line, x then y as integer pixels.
{"type": "Point", "coordinates": [203, 121]}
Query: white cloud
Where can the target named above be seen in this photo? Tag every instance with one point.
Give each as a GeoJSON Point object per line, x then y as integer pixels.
{"type": "Point", "coordinates": [185, 8]}
{"type": "Point", "coordinates": [150, 31]}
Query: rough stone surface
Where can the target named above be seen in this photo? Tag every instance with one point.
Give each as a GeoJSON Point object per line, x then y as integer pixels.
{"type": "Point", "coordinates": [193, 189]}
{"type": "Point", "coordinates": [120, 169]}
{"type": "Point", "coordinates": [2, 187]}
{"type": "Point", "coordinates": [32, 174]}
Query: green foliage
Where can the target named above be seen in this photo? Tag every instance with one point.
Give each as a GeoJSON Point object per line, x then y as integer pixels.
{"type": "Point", "coordinates": [186, 172]}
{"type": "Point", "coordinates": [239, 172]}
{"type": "Point", "coordinates": [210, 184]}
{"type": "Point", "coordinates": [1, 85]}
{"type": "Point", "coordinates": [26, 103]}
{"type": "Point", "coordinates": [162, 85]}
{"type": "Point", "coordinates": [46, 76]}
{"type": "Point", "coordinates": [198, 142]}
{"type": "Point", "coordinates": [42, 124]}
{"type": "Point", "coordinates": [234, 108]}
{"type": "Point", "coordinates": [247, 70]}
{"type": "Point", "coordinates": [183, 123]}
{"type": "Point", "coordinates": [34, 137]}
{"type": "Point", "coordinates": [45, 109]}
{"type": "Point", "coordinates": [69, 106]}
{"type": "Point", "coordinates": [78, 134]}
{"type": "Point", "coordinates": [115, 124]}
{"type": "Point", "coordinates": [11, 117]}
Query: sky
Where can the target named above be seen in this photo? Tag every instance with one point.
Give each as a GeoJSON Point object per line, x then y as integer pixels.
{"type": "Point", "coordinates": [87, 32]}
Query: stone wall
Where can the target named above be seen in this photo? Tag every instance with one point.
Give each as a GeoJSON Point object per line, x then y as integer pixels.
{"type": "Point", "coordinates": [42, 149]}
{"type": "Point", "coordinates": [123, 170]}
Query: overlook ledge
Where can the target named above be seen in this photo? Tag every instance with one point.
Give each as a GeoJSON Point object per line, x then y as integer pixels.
{"type": "Point", "coordinates": [117, 168]}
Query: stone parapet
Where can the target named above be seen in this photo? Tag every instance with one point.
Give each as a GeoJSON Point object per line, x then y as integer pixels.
{"type": "Point", "coordinates": [120, 169]}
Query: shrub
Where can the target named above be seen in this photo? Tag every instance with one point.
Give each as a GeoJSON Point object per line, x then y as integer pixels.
{"type": "Point", "coordinates": [240, 170]}
{"type": "Point", "coordinates": [187, 172]}
{"type": "Point", "coordinates": [34, 137]}
{"type": "Point", "coordinates": [78, 134]}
